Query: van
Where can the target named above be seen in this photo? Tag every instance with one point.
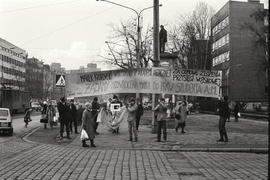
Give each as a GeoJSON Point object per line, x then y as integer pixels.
{"type": "Point", "coordinates": [6, 121]}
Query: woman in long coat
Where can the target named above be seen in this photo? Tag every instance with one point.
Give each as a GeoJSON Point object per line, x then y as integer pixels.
{"type": "Point", "coordinates": [88, 124]}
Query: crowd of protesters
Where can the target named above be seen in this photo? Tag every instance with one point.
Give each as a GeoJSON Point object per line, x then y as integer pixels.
{"type": "Point", "coordinates": [71, 116]}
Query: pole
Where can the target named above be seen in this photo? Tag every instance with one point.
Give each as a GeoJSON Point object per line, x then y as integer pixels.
{"type": "Point", "coordinates": [156, 56]}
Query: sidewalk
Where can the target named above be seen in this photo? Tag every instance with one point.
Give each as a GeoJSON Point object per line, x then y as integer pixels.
{"type": "Point", "coordinates": [201, 135]}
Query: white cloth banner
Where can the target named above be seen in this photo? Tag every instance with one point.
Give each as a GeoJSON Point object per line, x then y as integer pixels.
{"type": "Point", "coordinates": [155, 80]}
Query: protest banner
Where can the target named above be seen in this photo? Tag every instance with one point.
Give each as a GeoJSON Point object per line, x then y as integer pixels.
{"type": "Point", "coordinates": [156, 80]}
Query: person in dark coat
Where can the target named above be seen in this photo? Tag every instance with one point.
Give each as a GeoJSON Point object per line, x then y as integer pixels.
{"type": "Point", "coordinates": [79, 113]}
{"type": "Point", "coordinates": [27, 116]}
{"type": "Point", "coordinates": [223, 111]}
{"type": "Point", "coordinates": [73, 121]}
{"type": "Point", "coordinates": [95, 110]}
{"type": "Point", "coordinates": [88, 124]}
{"type": "Point", "coordinates": [63, 117]}
{"type": "Point", "coordinates": [139, 113]}
{"type": "Point", "coordinates": [236, 111]}
{"type": "Point", "coordinates": [162, 38]}
{"type": "Point", "coordinates": [44, 111]}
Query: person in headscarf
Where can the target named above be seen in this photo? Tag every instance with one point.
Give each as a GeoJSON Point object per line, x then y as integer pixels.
{"type": "Point", "coordinates": [88, 124]}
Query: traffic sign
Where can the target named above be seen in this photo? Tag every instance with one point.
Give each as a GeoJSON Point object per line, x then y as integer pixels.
{"type": "Point", "coordinates": [60, 81]}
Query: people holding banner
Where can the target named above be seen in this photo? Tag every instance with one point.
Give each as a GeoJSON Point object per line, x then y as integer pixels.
{"type": "Point", "coordinates": [88, 124]}
{"type": "Point", "coordinates": [114, 106]}
{"type": "Point", "coordinates": [139, 113]}
{"type": "Point", "coordinates": [95, 110]}
{"type": "Point", "coordinates": [132, 109]}
{"type": "Point", "coordinates": [223, 111]}
{"type": "Point", "coordinates": [161, 110]}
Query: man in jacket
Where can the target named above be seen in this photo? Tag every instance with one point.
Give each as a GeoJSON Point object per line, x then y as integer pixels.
{"type": "Point", "coordinates": [132, 108]}
{"type": "Point", "coordinates": [73, 111]}
{"type": "Point", "coordinates": [139, 113]}
{"type": "Point", "coordinates": [95, 110]}
{"type": "Point", "coordinates": [161, 110]}
{"type": "Point", "coordinates": [223, 111]}
{"type": "Point", "coordinates": [162, 38]}
{"type": "Point", "coordinates": [63, 119]}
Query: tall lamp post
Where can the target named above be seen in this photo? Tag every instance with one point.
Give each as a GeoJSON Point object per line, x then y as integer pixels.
{"type": "Point", "coordinates": [138, 45]}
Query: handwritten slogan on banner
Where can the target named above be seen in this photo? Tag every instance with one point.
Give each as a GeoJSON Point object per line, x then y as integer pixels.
{"type": "Point", "coordinates": [155, 80]}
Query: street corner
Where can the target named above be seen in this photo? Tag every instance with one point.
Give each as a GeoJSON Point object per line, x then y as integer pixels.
{"type": "Point", "coordinates": [50, 136]}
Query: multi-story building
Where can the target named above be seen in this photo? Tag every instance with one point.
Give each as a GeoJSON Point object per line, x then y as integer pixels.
{"type": "Point", "coordinates": [91, 67]}
{"type": "Point", "coordinates": [34, 77]}
{"type": "Point", "coordinates": [47, 82]}
{"type": "Point", "coordinates": [12, 65]}
{"type": "Point", "coordinates": [236, 52]}
{"type": "Point", "coordinates": [12, 76]}
{"type": "Point", "coordinates": [200, 55]}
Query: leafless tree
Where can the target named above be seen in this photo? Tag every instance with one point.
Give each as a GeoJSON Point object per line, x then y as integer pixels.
{"type": "Point", "coordinates": [122, 46]}
{"type": "Point", "coordinates": [188, 29]}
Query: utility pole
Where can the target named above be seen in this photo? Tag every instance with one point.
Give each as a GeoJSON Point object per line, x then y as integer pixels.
{"type": "Point", "coordinates": [156, 55]}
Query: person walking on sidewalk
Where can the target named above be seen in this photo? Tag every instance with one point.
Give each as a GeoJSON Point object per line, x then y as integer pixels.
{"type": "Point", "coordinates": [236, 111]}
{"type": "Point", "coordinates": [132, 109]}
{"type": "Point", "coordinates": [139, 113]}
{"type": "Point", "coordinates": [27, 117]}
{"type": "Point", "coordinates": [88, 124]}
{"type": "Point", "coordinates": [43, 113]}
{"type": "Point", "coordinates": [63, 119]}
{"type": "Point", "coordinates": [73, 119]}
{"type": "Point", "coordinates": [95, 110]}
{"type": "Point", "coordinates": [50, 113]}
{"type": "Point", "coordinates": [223, 111]}
{"type": "Point", "coordinates": [161, 110]}
{"type": "Point", "coordinates": [183, 114]}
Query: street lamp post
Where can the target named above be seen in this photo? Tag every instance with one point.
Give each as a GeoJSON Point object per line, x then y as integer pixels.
{"type": "Point", "coordinates": [138, 45]}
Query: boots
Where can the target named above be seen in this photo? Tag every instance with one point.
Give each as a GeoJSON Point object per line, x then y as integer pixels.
{"type": "Point", "coordinates": [68, 136]}
{"type": "Point", "coordinates": [84, 144]}
{"type": "Point", "coordinates": [92, 143]}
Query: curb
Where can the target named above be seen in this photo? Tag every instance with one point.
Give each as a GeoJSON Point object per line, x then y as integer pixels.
{"type": "Point", "coordinates": [26, 135]}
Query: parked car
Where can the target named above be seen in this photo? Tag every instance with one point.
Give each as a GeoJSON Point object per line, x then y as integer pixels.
{"type": "Point", "coordinates": [36, 106]}
{"type": "Point", "coordinates": [6, 121]}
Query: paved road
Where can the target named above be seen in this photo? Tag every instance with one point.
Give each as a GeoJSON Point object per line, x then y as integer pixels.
{"type": "Point", "coordinates": [116, 158]}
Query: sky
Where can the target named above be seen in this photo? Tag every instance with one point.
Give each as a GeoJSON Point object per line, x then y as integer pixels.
{"type": "Point", "coordinates": [73, 32]}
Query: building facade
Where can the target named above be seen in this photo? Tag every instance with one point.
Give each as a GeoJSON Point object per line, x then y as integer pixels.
{"type": "Point", "coordinates": [12, 65]}
{"type": "Point", "coordinates": [236, 53]}
{"type": "Point", "coordinates": [34, 78]}
{"type": "Point", "coordinates": [13, 94]}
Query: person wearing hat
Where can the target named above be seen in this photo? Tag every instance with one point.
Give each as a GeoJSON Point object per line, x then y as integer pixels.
{"type": "Point", "coordinates": [162, 38]}
{"type": "Point", "coordinates": [132, 109]}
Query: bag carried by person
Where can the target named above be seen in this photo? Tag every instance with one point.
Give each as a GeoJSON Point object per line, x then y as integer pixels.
{"type": "Point", "coordinates": [84, 135]}
{"type": "Point", "coordinates": [238, 114]}
{"type": "Point", "coordinates": [44, 118]}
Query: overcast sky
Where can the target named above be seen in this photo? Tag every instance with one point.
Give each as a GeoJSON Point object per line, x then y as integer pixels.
{"type": "Point", "coordinates": [73, 32]}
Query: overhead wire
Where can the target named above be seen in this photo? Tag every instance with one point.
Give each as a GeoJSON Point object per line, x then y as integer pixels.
{"type": "Point", "coordinates": [38, 6]}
